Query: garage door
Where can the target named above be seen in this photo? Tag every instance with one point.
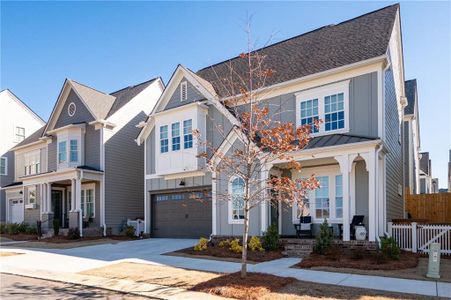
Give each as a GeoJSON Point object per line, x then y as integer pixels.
{"type": "Point", "coordinates": [181, 215]}
{"type": "Point", "coordinates": [16, 214]}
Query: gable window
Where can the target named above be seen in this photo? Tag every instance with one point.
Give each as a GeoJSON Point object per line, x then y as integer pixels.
{"type": "Point", "coordinates": [334, 112]}
{"type": "Point", "coordinates": [329, 103]}
{"type": "Point", "coordinates": [73, 150]}
{"type": "Point", "coordinates": [322, 198]}
{"type": "Point", "coordinates": [164, 141]}
{"type": "Point", "coordinates": [71, 109]}
{"type": "Point", "coordinates": [309, 113]}
{"type": "Point", "coordinates": [339, 196]}
{"type": "Point", "coordinates": [236, 205]}
{"type": "Point", "coordinates": [31, 195]}
{"type": "Point", "coordinates": [20, 134]}
{"type": "Point", "coordinates": [188, 134]}
{"type": "Point", "coordinates": [175, 131]}
{"type": "Point", "coordinates": [183, 91]}
{"type": "Point", "coordinates": [62, 156]}
{"type": "Point", "coordinates": [3, 166]}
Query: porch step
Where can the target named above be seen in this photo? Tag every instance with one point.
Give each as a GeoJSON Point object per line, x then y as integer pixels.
{"type": "Point", "coordinates": [297, 247]}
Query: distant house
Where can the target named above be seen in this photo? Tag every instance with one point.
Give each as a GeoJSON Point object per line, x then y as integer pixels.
{"type": "Point", "coordinates": [449, 172]}
{"type": "Point", "coordinates": [17, 122]}
{"type": "Point", "coordinates": [425, 173]}
{"type": "Point", "coordinates": [83, 167]}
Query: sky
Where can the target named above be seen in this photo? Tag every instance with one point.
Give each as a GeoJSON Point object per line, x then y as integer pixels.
{"type": "Point", "coordinates": [111, 45]}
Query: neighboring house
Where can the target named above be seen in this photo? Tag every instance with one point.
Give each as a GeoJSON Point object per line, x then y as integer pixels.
{"type": "Point", "coordinates": [411, 142]}
{"type": "Point", "coordinates": [449, 172]}
{"type": "Point", "coordinates": [17, 122]}
{"type": "Point", "coordinates": [435, 186]}
{"type": "Point", "coordinates": [425, 173]}
{"type": "Point", "coordinates": [356, 154]}
{"type": "Point", "coordinates": [83, 167]}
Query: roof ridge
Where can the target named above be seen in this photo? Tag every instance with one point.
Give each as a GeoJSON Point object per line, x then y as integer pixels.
{"type": "Point", "coordinates": [135, 85]}
{"type": "Point", "coordinates": [87, 86]}
{"type": "Point", "coordinates": [302, 34]}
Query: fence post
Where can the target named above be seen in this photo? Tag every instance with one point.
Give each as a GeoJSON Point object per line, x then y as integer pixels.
{"type": "Point", "coordinates": [414, 237]}
{"type": "Point", "coordinates": [390, 229]}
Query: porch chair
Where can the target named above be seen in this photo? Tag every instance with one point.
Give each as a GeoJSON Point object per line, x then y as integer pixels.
{"type": "Point", "coordinates": [304, 228]}
{"type": "Point", "coordinates": [356, 220]}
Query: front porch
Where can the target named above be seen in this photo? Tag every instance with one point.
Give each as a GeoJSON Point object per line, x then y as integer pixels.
{"type": "Point", "coordinates": [352, 183]}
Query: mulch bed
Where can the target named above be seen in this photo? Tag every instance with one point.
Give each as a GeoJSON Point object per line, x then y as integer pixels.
{"type": "Point", "coordinates": [358, 260]}
{"type": "Point", "coordinates": [61, 239]}
{"type": "Point", "coordinates": [20, 237]}
{"type": "Point", "coordinates": [216, 251]}
{"type": "Point", "coordinates": [254, 286]}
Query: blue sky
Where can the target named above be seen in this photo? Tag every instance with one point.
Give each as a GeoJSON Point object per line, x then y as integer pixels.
{"type": "Point", "coordinates": [110, 45]}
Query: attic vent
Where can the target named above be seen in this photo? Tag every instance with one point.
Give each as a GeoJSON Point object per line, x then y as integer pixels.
{"type": "Point", "coordinates": [71, 109]}
{"type": "Point", "coordinates": [183, 91]}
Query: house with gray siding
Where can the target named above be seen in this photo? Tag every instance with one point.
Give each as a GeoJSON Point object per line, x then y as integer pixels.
{"type": "Point", "coordinates": [349, 75]}
{"type": "Point", "coordinates": [83, 167]}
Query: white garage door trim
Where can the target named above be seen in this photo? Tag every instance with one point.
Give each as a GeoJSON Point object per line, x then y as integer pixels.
{"type": "Point", "coordinates": [16, 210]}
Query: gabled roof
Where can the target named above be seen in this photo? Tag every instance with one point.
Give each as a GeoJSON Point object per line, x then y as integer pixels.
{"type": "Point", "coordinates": [23, 104]}
{"type": "Point", "coordinates": [34, 137]}
{"type": "Point", "coordinates": [326, 48]}
{"type": "Point", "coordinates": [123, 96]}
{"type": "Point", "coordinates": [411, 94]}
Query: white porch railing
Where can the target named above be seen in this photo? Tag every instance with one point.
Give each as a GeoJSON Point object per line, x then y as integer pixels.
{"type": "Point", "coordinates": [138, 224]}
{"type": "Point", "coordinates": [418, 237]}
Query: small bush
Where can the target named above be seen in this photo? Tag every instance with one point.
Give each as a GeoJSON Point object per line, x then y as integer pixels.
{"type": "Point", "coordinates": [324, 239]}
{"type": "Point", "coordinates": [31, 230]}
{"type": "Point", "coordinates": [2, 228]}
{"type": "Point", "coordinates": [255, 244]}
{"type": "Point", "coordinates": [73, 234]}
{"type": "Point", "coordinates": [235, 246]}
{"type": "Point", "coordinates": [224, 244]}
{"type": "Point", "coordinates": [202, 245]}
{"type": "Point", "coordinates": [129, 231]}
{"type": "Point", "coordinates": [271, 238]}
{"type": "Point", "coordinates": [390, 248]}
{"type": "Point", "coordinates": [56, 227]}
{"type": "Point", "coordinates": [13, 228]}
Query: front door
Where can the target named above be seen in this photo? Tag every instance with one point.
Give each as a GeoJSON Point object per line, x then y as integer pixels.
{"type": "Point", "coordinates": [57, 206]}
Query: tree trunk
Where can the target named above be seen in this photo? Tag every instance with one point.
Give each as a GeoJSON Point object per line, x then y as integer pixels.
{"type": "Point", "coordinates": [245, 238]}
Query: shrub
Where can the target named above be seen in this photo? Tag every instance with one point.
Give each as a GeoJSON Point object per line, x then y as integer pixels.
{"type": "Point", "coordinates": [2, 228]}
{"type": "Point", "coordinates": [129, 231]}
{"type": "Point", "coordinates": [31, 230]}
{"type": "Point", "coordinates": [255, 244]}
{"type": "Point", "coordinates": [202, 245]}
{"type": "Point", "coordinates": [271, 238]}
{"type": "Point", "coordinates": [12, 228]}
{"type": "Point", "coordinates": [73, 234]}
{"type": "Point", "coordinates": [324, 239]}
{"type": "Point", "coordinates": [224, 244]}
{"type": "Point", "coordinates": [22, 227]}
{"type": "Point", "coordinates": [390, 248]}
{"type": "Point", "coordinates": [56, 227]}
{"type": "Point", "coordinates": [235, 246]}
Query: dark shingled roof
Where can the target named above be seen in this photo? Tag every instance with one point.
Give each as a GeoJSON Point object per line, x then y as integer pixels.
{"type": "Point", "coordinates": [13, 184]}
{"type": "Point", "coordinates": [124, 95]}
{"type": "Point", "coordinates": [34, 137]}
{"type": "Point", "coordinates": [328, 47]}
{"type": "Point", "coordinates": [411, 91]}
{"type": "Point", "coordinates": [335, 140]}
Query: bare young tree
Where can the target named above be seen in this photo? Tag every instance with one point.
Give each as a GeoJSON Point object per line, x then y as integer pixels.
{"type": "Point", "coordinates": [262, 140]}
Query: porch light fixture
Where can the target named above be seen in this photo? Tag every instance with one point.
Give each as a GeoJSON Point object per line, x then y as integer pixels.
{"type": "Point", "coordinates": [182, 183]}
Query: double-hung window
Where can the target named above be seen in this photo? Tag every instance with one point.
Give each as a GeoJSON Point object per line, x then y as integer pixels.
{"type": "Point", "coordinates": [164, 141]}
{"type": "Point", "coordinates": [175, 131]}
{"type": "Point", "coordinates": [73, 150]}
{"type": "Point", "coordinates": [20, 134]}
{"type": "Point", "coordinates": [87, 203]}
{"type": "Point", "coordinates": [237, 199]}
{"type": "Point", "coordinates": [188, 134]}
{"type": "Point", "coordinates": [3, 166]}
{"type": "Point", "coordinates": [310, 113]}
{"type": "Point", "coordinates": [322, 198]}
{"type": "Point", "coordinates": [334, 117]}
{"type": "Point", "coordinates": [31, 195]}
{"type": "Point", "coordinates": [62, 154]}
{"type": "Point", "coordinates": [338, 196]}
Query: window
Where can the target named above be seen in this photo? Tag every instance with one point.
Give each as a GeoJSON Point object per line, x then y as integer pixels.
{"type": "Point", "coordinates": [73, 150]}
{"type": "Point", "coordinates": [339, 196]}
{"type": "Point", "coordinates": [164, 141]}
{"type": "Point", "coordinates": [62, 156]}
{"type": "Point", "coordinates": [87, 203]}
{"type": "Point", "coordinates": [31, 195]}
{"type": "Point", "coordinates": [175, 131]}
{"type": "Point", "coordinates": [334, 112]}
{"type": "Point", "coordinates": [309, 113]}
{"type": "Point", "coordinates": [32, 163]}
{"type": "Point", "coordinates": [183, 91]}
{"type": "Point", "coordinates": [322, 198]}
{"type": "Point", "coordinates": [237, 202]}
{"type": "Point", "coordinates": [3, 166]}
{"type": "Point", "coordinates": [188, 134]}
{"type": "Point", "coordinates": [162, 198]}
{"type": "Point", "coordinates": [20, 134]}
{"type": "Point", "coordinates": [71, 109]}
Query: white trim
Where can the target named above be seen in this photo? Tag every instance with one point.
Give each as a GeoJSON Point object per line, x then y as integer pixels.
{"type": "Point", "coordinates": [230, 206]}
{"type": "Point", "coordinates": [183, 88]}
{"type": "Point", "coordinates": [213, 204]}
{"type": "Point", "coordinates": [183, 175]}
{"type": "Point", "coordinates": [85, 187]}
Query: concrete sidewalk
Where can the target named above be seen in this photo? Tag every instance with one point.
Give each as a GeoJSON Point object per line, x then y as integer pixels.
{"type": "Point", "coordinates": [150, 251]}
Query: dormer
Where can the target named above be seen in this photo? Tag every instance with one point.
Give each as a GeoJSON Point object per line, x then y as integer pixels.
{"type": "Point", "coordinates": [70, 145]}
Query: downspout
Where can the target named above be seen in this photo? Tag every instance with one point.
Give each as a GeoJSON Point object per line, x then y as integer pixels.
{"type": "Point", "coordinates": [80, 214]}
{"type": "Point", "coordinates": [102, 163]}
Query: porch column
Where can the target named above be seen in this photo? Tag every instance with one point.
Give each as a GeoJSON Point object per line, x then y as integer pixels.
{"type": "Point", "coordinates": [370, 161]}
{"type": "Point", "coordinates": [72, 195]}
{"type": "Point", "coordinates": [264, 173]}
{"type": "Point", "coordinates": [48, 205]}
{"type": "Point", "coordinates": [343, 161]}
{"type": "Point", "coordinates": [78, 204]}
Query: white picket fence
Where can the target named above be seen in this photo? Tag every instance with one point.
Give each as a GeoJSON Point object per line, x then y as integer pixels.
{"type": "Point", "coordinates": [417, 237]}
{"type": "Point", "coordinates": [138, 224]}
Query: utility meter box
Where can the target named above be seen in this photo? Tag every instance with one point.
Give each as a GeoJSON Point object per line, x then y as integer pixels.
{"type": "Point", "coordinates": [434, 261]}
